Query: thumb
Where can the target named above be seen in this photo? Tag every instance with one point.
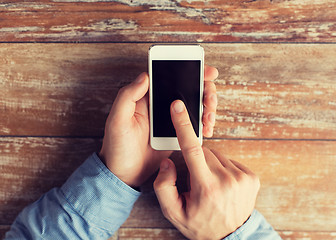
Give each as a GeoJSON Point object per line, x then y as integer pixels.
{"type": "Point", "coordinates": [124, 105]}
{"type": "Point", "coordinates": [166, 192]}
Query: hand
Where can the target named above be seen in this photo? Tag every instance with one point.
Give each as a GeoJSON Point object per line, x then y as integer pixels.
{"type": "Point", "coordinates": [222, 192]}
{"type": "Point", "coordinates": [126, 150]}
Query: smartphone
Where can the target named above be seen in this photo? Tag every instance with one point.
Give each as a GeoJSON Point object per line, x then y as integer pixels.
{"type": "Point", "coordinates": [175, 72]}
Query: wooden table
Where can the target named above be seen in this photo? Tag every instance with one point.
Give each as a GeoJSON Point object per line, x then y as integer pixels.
{"type": "Point", "coordinates": [63, 61]}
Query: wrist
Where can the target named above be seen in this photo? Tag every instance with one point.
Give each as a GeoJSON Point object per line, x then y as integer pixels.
{"type": "Point", "coordinates": [102, 158]}
{"type": "Point", "coordinates": [245, 227]}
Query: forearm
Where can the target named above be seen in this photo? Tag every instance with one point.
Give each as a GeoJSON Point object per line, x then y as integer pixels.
{"type": "Point", "coordinates": [255, 228]}
{"type": "Point", "coordinates": [92, 204]}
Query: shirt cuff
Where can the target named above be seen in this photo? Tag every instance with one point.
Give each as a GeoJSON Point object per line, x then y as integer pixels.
{"type": "Point", "coordinates": [256, 227]}
{"type": "Point", "coordinates": [99, 196]}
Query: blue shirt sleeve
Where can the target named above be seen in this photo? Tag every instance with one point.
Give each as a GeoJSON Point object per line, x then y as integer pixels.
{"type": "Point", "coordinates": [255, 228]}
{"type": "Point", "coordinates": [92, 204]}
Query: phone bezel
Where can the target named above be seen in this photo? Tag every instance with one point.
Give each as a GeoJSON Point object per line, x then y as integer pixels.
{"type": "Point", "coordinates": [174, 52]}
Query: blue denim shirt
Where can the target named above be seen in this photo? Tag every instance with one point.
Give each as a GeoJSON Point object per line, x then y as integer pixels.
{"type": "Point", "coordinates": [93, 204]}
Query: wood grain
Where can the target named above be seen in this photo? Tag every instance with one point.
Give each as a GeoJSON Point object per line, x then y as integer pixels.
{"type": "Point", "coordinates": [174, 21]}
{"type": "Point", "coordinates": [266, 91]}
{"type": "Point", "coordinates": [275, 91]}
{"type": "Point", "coordinates": [173, 234]}
{"type": "Point", "coordinates": [150, 234]}
{"type": "Point", "coordinates": [5, 228]}
{"type": "Point", "coordinates": [30, 167]}
{"type": "Point", "coordinates": [276, 112]}
{"type": "Point", "coordinates": [297, 178]}
{"type": "Point", "coordinates": [62, 89]}
{"type": "Point", "coordinates": [290, 235]}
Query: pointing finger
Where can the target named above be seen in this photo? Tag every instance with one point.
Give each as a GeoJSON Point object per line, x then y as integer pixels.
{"type": "Point", "coordinates": [189, 143]}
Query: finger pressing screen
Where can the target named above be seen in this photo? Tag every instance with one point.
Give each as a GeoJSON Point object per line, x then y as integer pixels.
{"type": "Point", "coordinates": [189, 143]}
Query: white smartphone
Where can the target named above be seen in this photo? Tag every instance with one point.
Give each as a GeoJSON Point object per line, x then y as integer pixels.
{"type": "Point", "coordinates": [175, 72]}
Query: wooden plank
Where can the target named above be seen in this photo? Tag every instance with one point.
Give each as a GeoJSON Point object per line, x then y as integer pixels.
{"type": "Point", "coordinates": [277, 91]}
{"type": "Point", "coordinates": [172, 234]}
{"type": "Point", "coordinates": [175, 21]}
{"type": "Point", "coordinates": [31, 166]}
{"type": "Point", "coordinates": [297, 178]}
{"type": "Point", "coordinates": [62, 89]}
{"type": "Point", "coordinates": [4, 229]}
{"type": "Point", "coordinates": [289, 235]}
{"type": "Point", "coordinates": [150, 234]}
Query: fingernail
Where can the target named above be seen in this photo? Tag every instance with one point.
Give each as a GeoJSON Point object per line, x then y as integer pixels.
{"type": "Point", "coordinates": [178, 107]}
{"type": "Point", "coordinates": [164, 166]}
{"type": "Point", "coordinates": [140, 78]}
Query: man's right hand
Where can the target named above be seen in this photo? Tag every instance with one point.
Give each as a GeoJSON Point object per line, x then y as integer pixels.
{"type": "Point", "coordinates": [222, 192]}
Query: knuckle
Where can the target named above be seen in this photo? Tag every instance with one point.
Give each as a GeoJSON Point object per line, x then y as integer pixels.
{"type": "Point", "coordinates": [169, 214]}
{"type": "Point", "coordinates": [124, 91]}
{"type": "Point", "coordinates": [231, 182]}
{"type": "Point", "coordinates": [185, 123]}
{"type": "Point", "coordinates": [194, 150]}
{"type": "Point", "coordinates": [159, 185]}
{"type": "Point", "coordinates": [210, 86]}
{"type": "Point", "coordinates": [166, 212]}
{"type": "Point", "coordinates": [251, 180]}
{"type": "Point", "coordinates": [256, 181]}
{"type": "Point", "coordinates": [241, 176]}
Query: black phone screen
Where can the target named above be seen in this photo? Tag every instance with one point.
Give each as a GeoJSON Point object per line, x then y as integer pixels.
{"type": "Point", "coordinates": [172, 80]}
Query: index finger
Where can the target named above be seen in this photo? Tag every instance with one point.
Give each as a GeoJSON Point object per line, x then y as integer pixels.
{"type": "Point", "coordinates": [189, 143]}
